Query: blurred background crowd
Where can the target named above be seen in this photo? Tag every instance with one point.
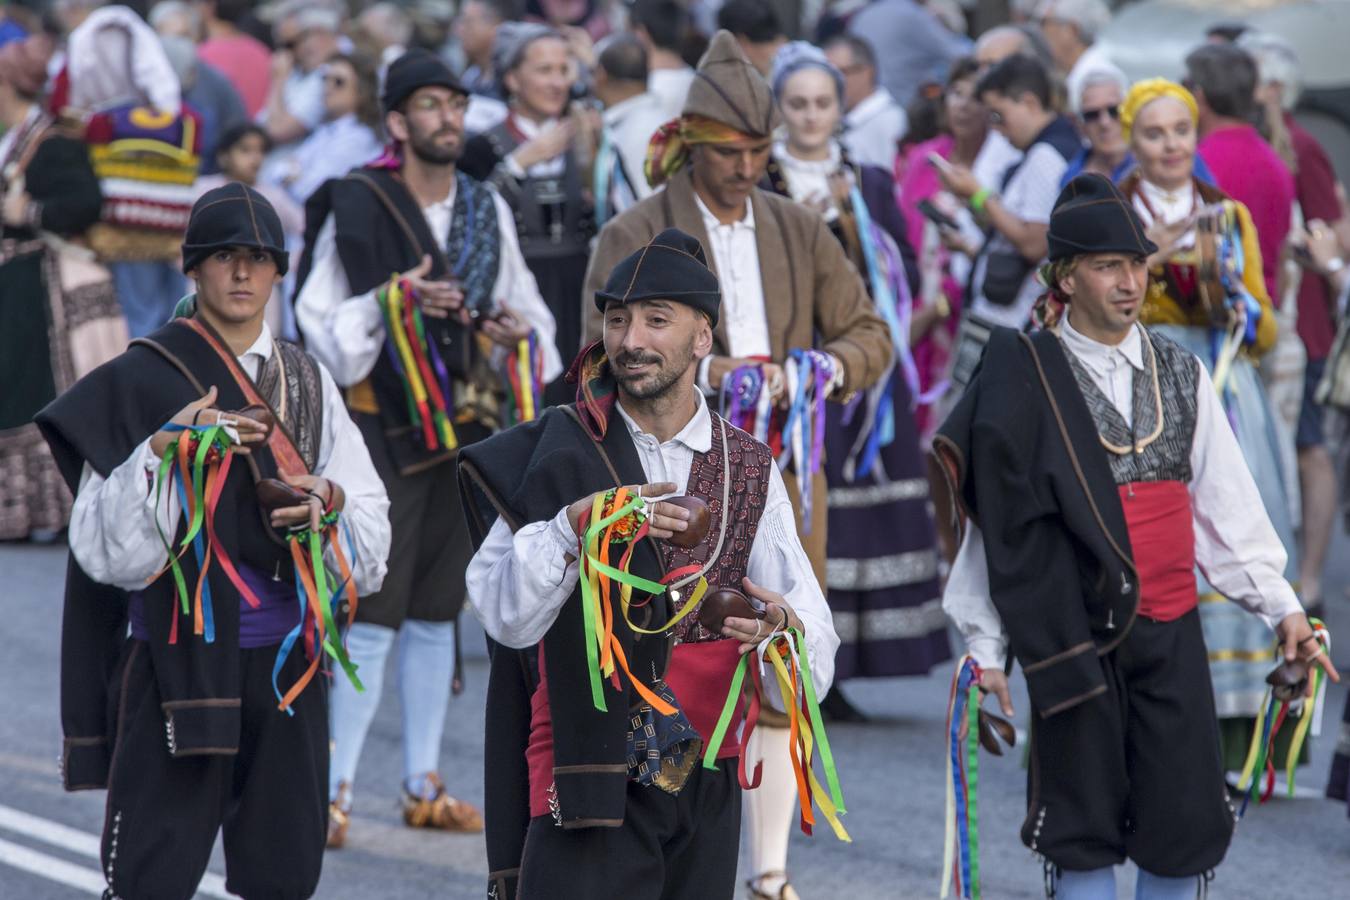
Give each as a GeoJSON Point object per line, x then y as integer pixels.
{"type": "Point", "coordinates": [116, 118]}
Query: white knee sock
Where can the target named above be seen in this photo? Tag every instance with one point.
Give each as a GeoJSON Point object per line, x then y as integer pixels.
{"type": "Point", "coordinates": [426, 665]}
{"type": "Point", "coordinates": [771, 808]}
{"type": "Point", "coordinates": [350, 712]}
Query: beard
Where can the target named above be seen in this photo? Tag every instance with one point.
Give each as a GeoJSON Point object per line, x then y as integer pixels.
{"type": "Point", "coordinates": [424, 147]}
{"type": "Point", "coordinates": [657, 384]}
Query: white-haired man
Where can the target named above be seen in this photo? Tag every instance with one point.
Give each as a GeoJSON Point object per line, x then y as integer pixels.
{"type": "Point", "coordinates": [1071, 28]}
{"type": "Point", "coordinates": [1096, 112]}
{"type": "Point", "coordinates": [389, 30]}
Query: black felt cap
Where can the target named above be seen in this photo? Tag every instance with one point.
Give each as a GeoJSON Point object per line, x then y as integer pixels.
{"type": "Point", "coordinates": [672, 266]}
{"type": "Point", "coordinates": [233, 215]}
{"type": "Point", "coordinates": [415, 69]}
{"type": "Point", "coordinates": [1092, 216]}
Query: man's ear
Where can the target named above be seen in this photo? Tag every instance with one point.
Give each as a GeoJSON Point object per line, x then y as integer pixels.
{"type": "Point", "coordinates": [1068, 283]}
{"type": "Point", "coordinates": [703, 340]}
{"type": "Point", "coordinates": [397, 125]}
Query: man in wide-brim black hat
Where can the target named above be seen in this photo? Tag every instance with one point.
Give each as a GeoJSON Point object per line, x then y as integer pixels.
{"type": "Point", "coordinates": [1096, 470]}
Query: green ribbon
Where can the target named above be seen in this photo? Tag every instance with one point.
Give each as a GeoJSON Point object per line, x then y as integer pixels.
{"type": "Point", "coordinates": [588, 599]}
{"type": "Point", "coordinates": [166, 464]}
{"type": "Point", "coordinates": [331, 645]}
{"type": "Point", "coordinates": [719, 734]}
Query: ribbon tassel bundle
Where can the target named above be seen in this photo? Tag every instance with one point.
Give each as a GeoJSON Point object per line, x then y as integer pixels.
{"type": "Point", "coordinates": [525, 378]}
{"type": "Point", "coordinates": [961, 844]}
{"type": "Point", "coordinates": [619, 517]}
{"type": "Point", "coordinates": [890, 293]}
{"type": "Point", "coordinates": [785, 652]}
{"type": "Point", "coordinates": [426, 381]}
{"type": "Point", "coordinates": [195, 467]}
{"type": "Point", "coordinates": [808, 374]}
{"type": "Point", "coordinates": [1260, 763]}
{"type": "Point", "coordinates": [316, 607]}
{"type": "Point", "coordinates": [745, 402]}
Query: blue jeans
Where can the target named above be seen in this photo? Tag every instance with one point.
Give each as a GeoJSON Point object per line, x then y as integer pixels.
{"type": "Point", "coordinates": [147, 292]}
{"type": "Point", "coordinates": [1100, 884]}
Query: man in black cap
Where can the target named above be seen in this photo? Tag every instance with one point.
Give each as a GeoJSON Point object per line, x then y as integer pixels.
{"type": "Point", "coordinates": [573, 808]}
{"type": "Point", "coordinates": [418, 393]}
{"type": "Point", "coordinates": [180, 720]}
{"type": "Point", "coordinates": [1096, 469]}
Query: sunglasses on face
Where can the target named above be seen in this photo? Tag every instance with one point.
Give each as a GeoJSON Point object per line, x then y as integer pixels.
{"type": "Point", "coordinates": [1092, 115]}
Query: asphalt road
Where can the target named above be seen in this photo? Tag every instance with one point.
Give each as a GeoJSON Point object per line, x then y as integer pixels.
{"type": "Point", "coordinates": [891, 770]}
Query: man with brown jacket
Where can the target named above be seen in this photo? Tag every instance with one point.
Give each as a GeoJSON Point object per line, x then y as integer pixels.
{"type": "Point", "coordinates": [786, 284]}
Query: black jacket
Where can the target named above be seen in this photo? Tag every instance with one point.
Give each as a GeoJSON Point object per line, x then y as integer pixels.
{"type": "Point", "coordinates": [1024, 460]}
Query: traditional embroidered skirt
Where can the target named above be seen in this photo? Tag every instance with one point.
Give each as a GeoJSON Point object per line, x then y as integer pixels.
{"type": "Point", "coordinates": [882, 569]}
{"type": "Point", "coordinates": [58, 320]}
{"type": "Point", "coordinates": [1241, 647]}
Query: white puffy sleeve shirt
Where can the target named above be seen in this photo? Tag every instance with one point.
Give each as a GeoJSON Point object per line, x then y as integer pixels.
{"type": "Point", "coordinates": [346, 332]}
{"type": "Point", "coordinates": [113, 532]}
{"type": "Point", "coordinates": [518, 582]}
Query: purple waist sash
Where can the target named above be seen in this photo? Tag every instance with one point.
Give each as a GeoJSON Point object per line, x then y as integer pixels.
{"type": "Point", "coordinates": [266, 626]}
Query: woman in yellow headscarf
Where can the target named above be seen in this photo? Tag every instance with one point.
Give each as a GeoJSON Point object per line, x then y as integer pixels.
{"type": "Point", "coordinates": [1207, 293]}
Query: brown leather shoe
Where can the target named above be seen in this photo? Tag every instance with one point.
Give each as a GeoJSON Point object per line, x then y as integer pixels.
{"type": "Point", "coordinates": [440, 811]}
{"type": "Point", "coordinates": [339, 816]}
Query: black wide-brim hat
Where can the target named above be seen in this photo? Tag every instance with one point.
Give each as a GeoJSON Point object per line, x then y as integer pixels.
{"type": "Point", "coordinates": [1092, 216]}
{"type": "Point", "coordinates": [672, 266]}
{"type": "Point", "coordinates": [233, 215]}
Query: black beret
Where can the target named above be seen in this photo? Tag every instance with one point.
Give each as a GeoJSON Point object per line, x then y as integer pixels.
{"type": "Point", "coordinates": [1092, 216]}
{"type": "Point", "coordinates": [415, 69]}
{"type": "Point", "coordinates": [672, 266]}
{"type": "Point", "coordinates": [233, 215]}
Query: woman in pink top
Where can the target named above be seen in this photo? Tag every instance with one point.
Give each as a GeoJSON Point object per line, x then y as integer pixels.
{"type": "Point", "coordinates": [943, 270]}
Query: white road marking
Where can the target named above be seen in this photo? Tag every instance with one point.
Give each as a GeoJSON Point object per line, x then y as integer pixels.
{"type": "Point", "coordinates": [82, 843]}
{"type": "Point", "coordinates": [51, 868]}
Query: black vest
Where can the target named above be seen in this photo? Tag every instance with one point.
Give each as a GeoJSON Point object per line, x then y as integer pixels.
{"type": "Point", "coordinates": [100, 421]}
{"type": "Point", "coordinates": [381, 232]}
{"type": "Point", "coordinates": [553, 218]}
{"type": "Point", "coordinates": [1168, 458]}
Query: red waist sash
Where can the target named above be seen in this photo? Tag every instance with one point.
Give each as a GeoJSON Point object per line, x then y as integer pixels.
{"type": "Point", "coordinates": [699, 675]}
{"type": "Point", "coordinates": [1162, 535]}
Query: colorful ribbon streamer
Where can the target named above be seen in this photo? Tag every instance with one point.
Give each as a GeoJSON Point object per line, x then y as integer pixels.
{"type": "Point", "coordinates": [961, 844]}
{"type": "Point", "coordinates": [1260, 763]}
{"type": "Point", "coordinates": [316, 601]}
{"type": "Point", "coordinates": [785, 653]}
{"type": "Point", "coordinates": [194, 468]}
{"type": "Point", "coordinates": [525, 377]}
{"type": "Point", "coordinates": [745, 401]}
{"type": "Point", "coordinates": [426, 382]}
{"type": "Point", "coordinates": [808, 374]}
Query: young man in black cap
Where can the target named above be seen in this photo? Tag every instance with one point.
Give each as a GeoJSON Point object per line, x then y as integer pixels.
{"type": "Point", "coordinates": [573, 808]}
{"type": "Point", "coordinates": [180, 721]}
{"type": "Point", "coordinates": [1097, 470]}
{"type": "Point", "coordinates": [454, 240]}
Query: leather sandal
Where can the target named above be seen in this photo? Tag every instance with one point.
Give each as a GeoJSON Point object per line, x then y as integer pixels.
{"type": "Point", "coordinates": [440, 810]}
{"type": "Point", "coordinates": [786, 892]}
{"type": "Point", "coordinates": [339, 817]}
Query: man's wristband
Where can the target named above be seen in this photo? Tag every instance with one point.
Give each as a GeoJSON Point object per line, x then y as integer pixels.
{"type": "Point", "coordinates": [978, 199]}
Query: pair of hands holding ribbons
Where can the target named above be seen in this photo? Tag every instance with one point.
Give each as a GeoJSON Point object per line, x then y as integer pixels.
{"type": "Point", "coordinates": [445, 300]}
{"type": "Point", "coordinates": [323, 494]}
{"type": "Point", "coordinates": [1297, 640]}
{"type": "Point", "coordinates": [663, 521]}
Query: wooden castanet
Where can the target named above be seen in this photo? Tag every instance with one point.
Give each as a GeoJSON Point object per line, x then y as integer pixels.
{"type": "Point", "coordinates": [700, 519]}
